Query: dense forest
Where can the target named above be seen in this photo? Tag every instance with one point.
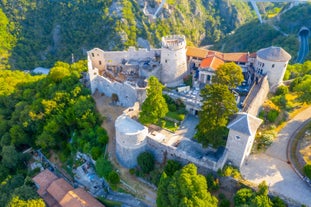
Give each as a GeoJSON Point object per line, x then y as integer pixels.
{"type": "Point", "coordinates": [39, 33]}
{"type": "Point", "coordinates": [53, 112]}
{"type": "Point", "coordinates": [281, 30]}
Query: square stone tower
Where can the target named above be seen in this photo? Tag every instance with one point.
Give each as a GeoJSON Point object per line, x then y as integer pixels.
{"type": "Point", "coordinates": [241, 137]}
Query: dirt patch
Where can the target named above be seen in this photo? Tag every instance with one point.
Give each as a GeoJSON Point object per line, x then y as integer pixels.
{"type": "Point", "coordinates": [130, 183]}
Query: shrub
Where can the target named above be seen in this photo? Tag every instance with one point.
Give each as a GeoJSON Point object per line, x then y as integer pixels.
{"type": "Point", "coordinates": [96, 152]}
{"type": "Point", "coordinates": [132, 171]}
{"type": "Point", "coordinates": [113, 177]}
{"type": "Point", "coordinates": [146, 162]}
{"type": "Point", "coordinates": [265, 140]}
{"type": "Point", "coordinates": [282, 90]}
{"type": "Point", "coordinates": [307, 170]}
{"type": "Point", "coordinates": [212, 182]}
{"type": "Point", "coordinates": [272, 115]}
{"type": "Point", "coordinates": [171, 167]}
{"type": "Point", "coordinates": [103, 167]}
{"type": "Point", "coordinates": [231, 171]}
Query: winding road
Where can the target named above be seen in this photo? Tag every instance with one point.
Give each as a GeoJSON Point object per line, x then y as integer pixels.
{"type": "Point", "coordinates": [304, 45]}
{"type": "Point", "coordinates": [273, 166]}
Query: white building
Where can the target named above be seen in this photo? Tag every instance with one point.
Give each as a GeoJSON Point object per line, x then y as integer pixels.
{"type": "Point", "coordinates": [272, 61]}
{"type": "Point", "coordinates": [242, 132]}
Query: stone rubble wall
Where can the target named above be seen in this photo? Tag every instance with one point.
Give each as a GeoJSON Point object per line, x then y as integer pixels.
{"type": "Point", "coordinates": [163, 152]}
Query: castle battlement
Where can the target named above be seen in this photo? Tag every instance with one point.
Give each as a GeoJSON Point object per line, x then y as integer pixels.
{"type": "Point", "coordinates": [174, 42]}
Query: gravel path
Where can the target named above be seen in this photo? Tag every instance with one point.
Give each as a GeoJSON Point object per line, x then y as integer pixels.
{"type": "Point", "coordinates": [273, 166]}
{"type": "Point", "coordinates": [111, 112]}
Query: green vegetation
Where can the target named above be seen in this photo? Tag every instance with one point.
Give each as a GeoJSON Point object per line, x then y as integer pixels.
{"type": "Point", "coordinates": [229, 74]}
{"type": "Point", "coordinates": [171, 167]}
{"type": "Point", "coordinates": [103, 167]}
{"type": "Point", "coordinates": [307, 170]}
{"type": "Point", "coordinates": [17, 202]}
{"type": "Point", "coordinates": [146, 162]}
{"type": "Point", "coordinates": [247, 197]}
{"type": "Point", "coordinates": [245, 38]}
{"type": "Point", "coordinates": [41, 33]}
{"type": "Point", "coordinates": [218, 105]}
{"type": "Point", "coordinates": [184, 188]}
{"type": "Point", "coordinates": [231, 171]}
{"type": "Point", "coordinates": [53, 112]}
{"type": "Point", "coordinates": [154, 107]}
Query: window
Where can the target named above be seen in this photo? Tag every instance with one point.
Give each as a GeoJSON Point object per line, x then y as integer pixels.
{"type": "Point", "coordinates": [272, 65]}
{"type": "Point", "coordinates": [92, 54]}
{"type": "Point", "coordinates": [100, 62]}
{"type": "Point", "coordinates": [238, 137]}
{"type": "Point", "coordinates": [165, 61]}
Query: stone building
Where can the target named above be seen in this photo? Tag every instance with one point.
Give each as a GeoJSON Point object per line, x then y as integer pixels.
{"type": "Point", "coordinates": [173, 60]}
{"type": "Point", "coordinates": [272, 61]}
{"type": "Point", "coordinates": [130, 140]}
{"type": "Point", "coordinates": [242, 131]}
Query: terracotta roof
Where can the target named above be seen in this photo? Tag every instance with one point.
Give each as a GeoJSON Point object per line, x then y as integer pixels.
{"type": "Point", "coordinates": [211, 62]}
{"type": "Point", "coordinates": [78, 197]}
{"type": "Point", "coordinates": [274, 54]}
{"type": "Point", "coordinates": [235, 57]}
{"type": "Point", "coordinates": [44, 180]}
{"type": "Point", "coordinates": [197, 52]}
{"type": "Point", "coordinates": [56, 192]}
{"type": "Point", "coordinates": [245, 123]}
{"type": "Point", "coordinates": [59, 188]}
{"type": "Point", "coordinates": [253, 55]}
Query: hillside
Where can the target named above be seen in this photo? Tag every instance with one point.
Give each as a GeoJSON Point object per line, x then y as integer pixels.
{"type": "Point", "coordinates": [47, 31]}
{"type": "Point", "coordinates": [253, 35]}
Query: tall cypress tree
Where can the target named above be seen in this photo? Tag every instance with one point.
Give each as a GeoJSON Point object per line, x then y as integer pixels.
{"type": "Point", "coordinates": [154, 107]}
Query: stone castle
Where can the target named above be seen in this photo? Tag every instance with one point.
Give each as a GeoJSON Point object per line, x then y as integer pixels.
{"type": "Point", "coordinates": [124, 74]}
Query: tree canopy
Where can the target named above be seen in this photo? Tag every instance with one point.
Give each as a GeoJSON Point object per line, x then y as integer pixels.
{"type": "Point", "coordinates": [218, 105]}
{"type": "Point", "coordinates": [154, 107]}
{"type": "Point", "coordinates": [185, 188]}
{"type": "Point", "coordinates": [229, 74]}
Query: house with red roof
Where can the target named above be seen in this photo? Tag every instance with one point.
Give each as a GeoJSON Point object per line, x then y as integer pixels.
{"type": "Point", "coordinates": [56, 192]}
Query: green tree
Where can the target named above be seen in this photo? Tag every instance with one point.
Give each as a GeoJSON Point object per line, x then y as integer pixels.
{"type": "Point", "coordinates": [154, 107]}
{"type": "Point", "coordinates": [218, 105]}
{"type": "Point", "coordinates": [146, 162]}
{"type": "Point", "coordinates": [243, 196]}
{"type": "Point", "coordinates": [7, 40]}
{"type": "Point", "coordinates": [59, 71]}
{"type": "Point", "coordinates": [171, 167]}
{"type": "Point", "coordinates": [304, 88]}
{"type": "Point", "coordinates": [113, 177]}
{"type": "Point", "coordinates": [229, 74]}
{"type": "Point", "coordinates": [185, 188]}
{"type": "Point", "coordinates": [10, 157]}
{"type": "Point", "coordinates": [103, 167]}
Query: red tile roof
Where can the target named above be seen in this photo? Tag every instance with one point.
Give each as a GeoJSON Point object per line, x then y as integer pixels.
{"type": "Point", "coordinates": [59, 188]}
{"type": "Point", "coordinates": [235, 57]}
{"type": "Point", "coordinates": [44, 180]}
{"type": "Point", "coordinates": [196, 52]}
{"type": "Point", "coordinates": [56, 192]}
{"type": "Point", "coordinates": [78, 197]}
{"type": "Point", "coordinates": [211, 62]}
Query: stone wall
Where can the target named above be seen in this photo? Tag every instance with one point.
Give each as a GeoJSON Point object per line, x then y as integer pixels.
{"type": "Point", "coordinates": [163, 152]}
{"type": "Point", "coordinates": [127, 93]}
{"type": "Point", "coordinates": [256, 97]}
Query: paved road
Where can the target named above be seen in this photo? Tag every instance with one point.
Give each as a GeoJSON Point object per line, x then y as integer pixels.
{"type": "Point", "coordinates": [304, 46]}
{"type": "Point", "coordinates": [272, 166]}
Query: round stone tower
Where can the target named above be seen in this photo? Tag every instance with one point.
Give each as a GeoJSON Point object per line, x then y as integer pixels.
{"type": "Point", "coordinates": [173, 60]}
{"type": "Point", "coordinates": [272, 61]}
{"type": "Point", "coordinates": [130, 140]}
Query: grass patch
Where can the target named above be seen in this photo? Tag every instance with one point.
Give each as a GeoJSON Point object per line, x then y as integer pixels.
{"type": "Point", "coordinates": [170, 125]}
{"type": "Point", "coordinates": [109, 203]}
{"type": "Point", "coordinates": [175, 115]}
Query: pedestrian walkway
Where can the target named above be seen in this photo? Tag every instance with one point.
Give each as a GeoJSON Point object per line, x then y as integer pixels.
{"type": "Point", "coordinates": [273, 166]}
